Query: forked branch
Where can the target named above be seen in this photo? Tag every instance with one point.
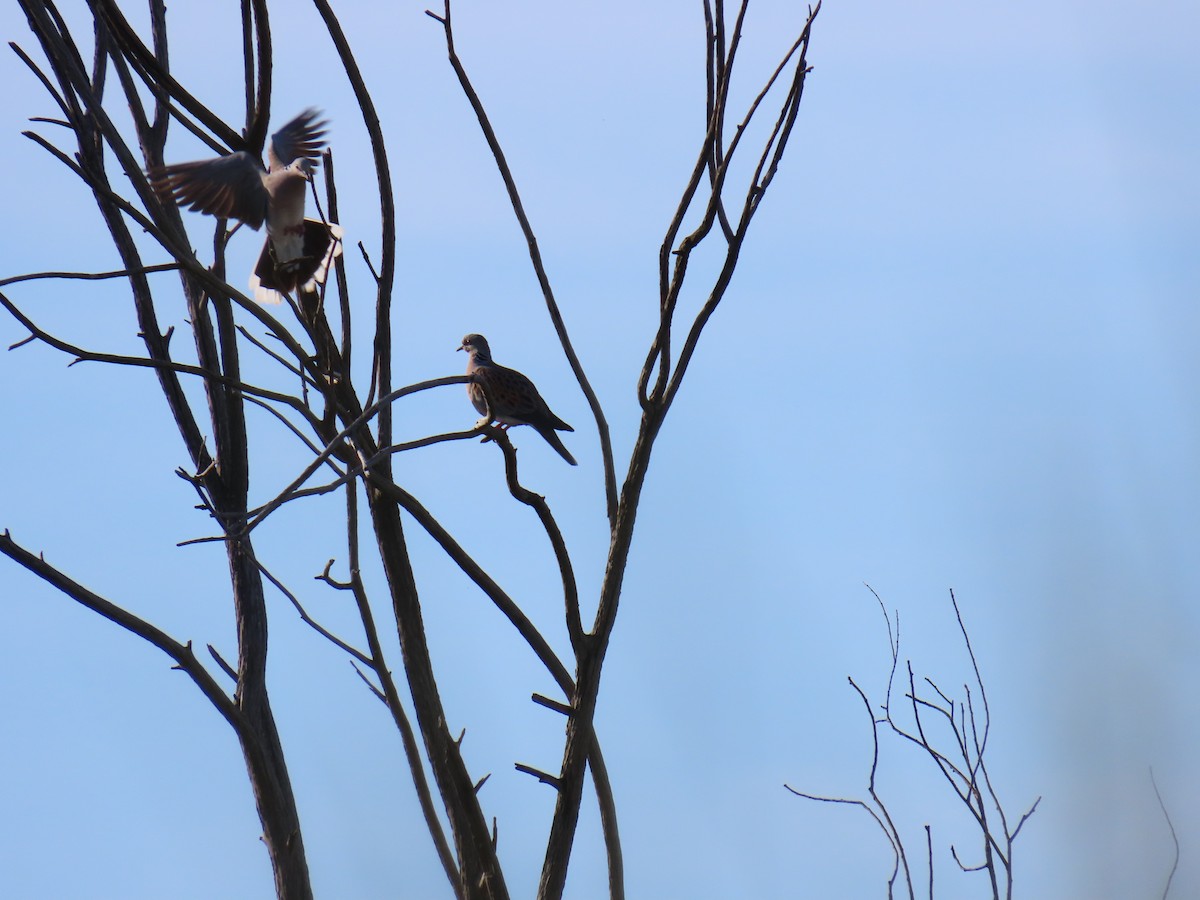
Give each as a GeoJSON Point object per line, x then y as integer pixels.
{"type": "Point", "coordinates": [964, 768]}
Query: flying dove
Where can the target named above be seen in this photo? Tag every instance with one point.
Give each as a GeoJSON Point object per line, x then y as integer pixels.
{"type": "Point", "coordinates": [298, 251]}
{"type": "Point", "coordinates": [514, 399]}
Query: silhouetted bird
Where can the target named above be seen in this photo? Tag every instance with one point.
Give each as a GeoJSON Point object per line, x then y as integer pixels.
{"type": "Point", "coordinates": [298, 251]}
{"type": "Point", "coordinates": [514, 399]}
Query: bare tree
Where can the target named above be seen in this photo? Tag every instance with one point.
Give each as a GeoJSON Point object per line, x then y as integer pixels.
{"type": "Point", "coordinates": [968, 721]}
{"type": "Point", "coordinates": [347, 427]}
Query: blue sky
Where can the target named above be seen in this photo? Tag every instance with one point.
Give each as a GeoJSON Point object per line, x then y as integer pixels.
{"type": "Point", "coordinates": [959, 352]}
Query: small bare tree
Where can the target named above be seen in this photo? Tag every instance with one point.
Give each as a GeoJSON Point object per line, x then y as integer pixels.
{"type": "Point", "coordinates": [347, 427]}
{"type": "Point", "coordinates": [968, 722]}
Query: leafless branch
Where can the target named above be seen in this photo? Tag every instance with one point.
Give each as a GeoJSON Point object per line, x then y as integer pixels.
{"type": "Point", "coordinates": [331, 197]}
{"type": "Point", "coordinates": [542, 700]}
{"type": "Point", "coordinates": [482, 580]}
{"type": "Point", "coordinates": [538, 503]}
{"type": "Point", "coordinates": [929, 854]}
{"type": "Point", "coordinates": [181, 653]}
{"type": "Point", "coordinates": [862, 804]}
{"type": "Point", "coordinates": [391, 698]}
{"type": "Point", "coordinates": [967, 779]}
{"type": "Point", "coordinates": [379, 695]}
{"type": "Point", "coordinates": [304, 377]}
{"type": "Point", "coordinates": [535, 257]}
{"type": "Point", "coordinates": [82, 355]}
{"type": "Point", "coordinates": [387, 213]}
{"type": "Point", "coordinates": [337, 441]}
{"type": "Point", "coordinates": [1170, 825]}
{"type": "Point", "coordinates": [313, 623]}
{"type": "Point", "coordinates": [543, 777]}
{"type": "Point", "coordinates": [87, 276]}
{"type": "Point", "coordinates": [220, 661]}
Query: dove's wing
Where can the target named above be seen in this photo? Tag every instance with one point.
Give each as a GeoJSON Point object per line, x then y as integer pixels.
{"type": "Point", "coordinates": [230, 187]}
{"type": "Point", "coordinates": [301, 138]}
{"type": "Point", "coordinates": [517, 398]}
{"type": "Point", "coordinates": [514, 394]}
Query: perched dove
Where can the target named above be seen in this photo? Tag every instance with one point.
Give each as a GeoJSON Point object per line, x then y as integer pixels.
{"type": "Point", "coordinates": [515, 401]}
{"type": "Point", "coordinates": [298, 251]}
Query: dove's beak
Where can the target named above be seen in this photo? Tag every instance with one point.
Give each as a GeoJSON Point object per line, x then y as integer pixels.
{"type": "Point", "coordinates": [459, 347]}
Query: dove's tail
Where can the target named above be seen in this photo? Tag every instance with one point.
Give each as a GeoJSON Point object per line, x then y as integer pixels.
{"type": "Point", "coordinates": [322, 245]}
{"type": "Point", "coordinates": [553, 440]}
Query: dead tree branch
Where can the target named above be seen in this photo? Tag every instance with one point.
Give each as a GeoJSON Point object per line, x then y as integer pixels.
{"type": "Point", "coordinates": [964, 768]}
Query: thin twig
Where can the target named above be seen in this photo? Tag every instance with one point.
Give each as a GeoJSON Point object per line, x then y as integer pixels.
{"type": "Point", "coordinates": [82, 355]}
{"type": "Point", "coordinates": [1170, 825]}
{"type": "Point", "coordinates": [861, 804]}
{"type": "Point", "coordinates": [337, 441]}
{"type": "Point", "coordinates": [89, 276]}
{"type": "Point", "coordinates": [313, 623]}
{"type": "Point", "coordinates": [371, 686]}
{"type": "Point", "coordinates": [929, 852]}
{"type": "Point", "coordinates": [225, 667]}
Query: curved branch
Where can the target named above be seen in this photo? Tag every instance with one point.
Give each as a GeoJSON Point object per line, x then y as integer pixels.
{"type": "Point", "coordinates": [608, 821]}
{"type": "Point", "coordinates": [82, 355]}
{"type": "Point", "coordinates": [45, 80]}
{"type": "Point", "coordinates": [184, 658]}
{"type": "Point", "coordinates": [147, 64]}
{"type": "Point", "coordinates": [258, 109]}
{"type": "Point", "coordinates": [899, 845]}
{"type": "Point", "coordinates": [475, 572]}
{"type": "Point", "coordinates": [89, 276]}
{"type": "Point", "coordinates": [776, 143]}
{"type": "Point", "coordinates": [313, 623]}
{"type": "Point", "coordinates": [561, 555]}
{"type": "Point", "coordinates": [424, 442]}
{"type": "Point", "coordinates": [861, 804]}
{"type": "Point", "coordinates": [535, 256]}
{"type": "Point", "coordinates": [339, 268]}
{"type": "Point", "coordinates": [387, 215]}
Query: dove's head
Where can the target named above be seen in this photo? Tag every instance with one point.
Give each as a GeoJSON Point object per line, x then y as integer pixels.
{"type": "Point", "coordinates": [304, 167]}
{"type": "Point", "coordinates": [477, 346]}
